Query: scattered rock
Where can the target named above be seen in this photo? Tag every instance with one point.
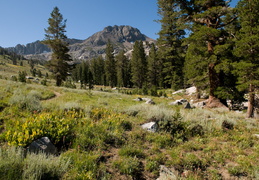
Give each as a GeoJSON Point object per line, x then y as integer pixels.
{"type": "Point", "coordinates": [42, 145]}
{"type": "Point", "coordinates": [167, 173]}
{"type": "Point", "coordinates": [179, 91]}
{"type": "Point", "coordinates": [146, 99]}
{"type": "Point", "coordinates": [178, 102]}
{"type": "Point", "coordinates": [151, 126]}
{"type": "Point", "coordinates": [199, 104]}
{"type": "Point", "coordinates": [187, 106]}
{"type": "Point", "coordinates": [150, 101]}
{"type": "Point", "coordinates": [204, 96]}
{"type": "Point", "coordinates": [191, 90]}
{"type": "Point", "coordinates": [138, 99]}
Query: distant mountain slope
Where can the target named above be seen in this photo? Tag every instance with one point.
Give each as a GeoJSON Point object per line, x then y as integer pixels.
{"type": "Point", "coordinates": [35, 47]}
{"type": "Point", "coordinates": [122, 38]}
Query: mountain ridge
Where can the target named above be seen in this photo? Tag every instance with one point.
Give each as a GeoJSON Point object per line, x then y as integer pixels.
{"type": "Point", "coordinates": [122, 38]}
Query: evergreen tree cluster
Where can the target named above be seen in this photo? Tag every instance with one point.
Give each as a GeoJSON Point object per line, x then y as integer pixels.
{"type": "Point", "coordinates": [118, 70]}
{"type": "Point", "coordinates": [220, 53]}
{"type": "Point", "coordinates": [204, 43]}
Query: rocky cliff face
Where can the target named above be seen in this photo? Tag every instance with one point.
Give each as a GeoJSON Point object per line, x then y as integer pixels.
{"type": "Point", "coordinates": [122, 38]}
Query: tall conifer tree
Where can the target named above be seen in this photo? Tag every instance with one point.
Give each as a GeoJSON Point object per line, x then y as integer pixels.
{"type": "Point", "coordinates": [247, 48]}
{"type": "Point", "coordinates": [208, 20]}
{"type": "Point", "coordinates": [97, 69]}
{"type": "Point", "coordinates": [153, 67]}
{"type": "Point", "coordinates": [55, 39]}
{"type": "Point", "coordinates": [123, 70]}
{"type": "Point", "coordinates": [139, 65]}
{"type": "Point", "coordinates": [110, 65]}
{"type": "Point", "coordinates": [169, 43]}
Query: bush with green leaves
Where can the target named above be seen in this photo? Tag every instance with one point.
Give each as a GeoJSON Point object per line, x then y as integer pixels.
{"type": "Point", "coordinates": [175, 126]}
{"type": "Point", "coordinates": [57, 126]}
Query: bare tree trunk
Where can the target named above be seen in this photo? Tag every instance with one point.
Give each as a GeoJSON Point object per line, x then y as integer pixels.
{"type": "Point", "coordinates": [251, 102]}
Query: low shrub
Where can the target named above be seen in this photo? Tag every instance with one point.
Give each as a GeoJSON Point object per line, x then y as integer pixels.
{"type": "Point", "coordinates": [237, 171]}
{"type": "Point", "coordinates": [191, 162]}
{"type": "Point", "coordinates": [129, 151]}
{"type": "Point", "coordinates": [105, 128]}
{"type": "Point", "coordinates": [85, 166]}
{"type": "Point", "coordinates": [128, 166]}
{"type": "Point", "coordinates": [15, 165]}
{"type": "Point", "coordinates": [58, 127]}
{"type": "Point", "coordinates": [175, 126]}
{"type": "Point", "coordinates": [227, 125]}
{"type": "Point", "coordinates": [11, 163]}
{"type": "Point", "coordinates": [42, 166]}
{"type": "Point", "coordinates": [23, 101]}
{"type": "Point", "coordinates": [161, 140]}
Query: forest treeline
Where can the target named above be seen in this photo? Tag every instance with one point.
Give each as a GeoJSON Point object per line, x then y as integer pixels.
{"type": "Point", "coordinates": [204, 43]}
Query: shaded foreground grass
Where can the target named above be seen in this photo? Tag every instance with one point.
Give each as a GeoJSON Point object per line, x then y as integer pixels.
{"type": "Point", "coordinates": [99, 137]}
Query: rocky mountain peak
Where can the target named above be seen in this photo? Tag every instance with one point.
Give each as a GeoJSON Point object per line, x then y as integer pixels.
{"type": "Point", "coordinates": [122, 38]}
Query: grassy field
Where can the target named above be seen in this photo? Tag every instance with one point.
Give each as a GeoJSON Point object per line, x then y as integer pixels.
{"type": "Point", "coordinates": [99, 135]}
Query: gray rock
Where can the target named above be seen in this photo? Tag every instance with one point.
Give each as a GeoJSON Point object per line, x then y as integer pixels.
{"type": "Point", "coordinates": [199, 104]}
{"type": "Point", "coordinates": [191, 90]}
{"type": "Point", "coordinates": [179, 91]}
{"type": "Point", "coordinates": [178, 102]}
{"type": "Point", "coordinates": [167, 173]}
{"type": "Point", "coordinates": [151, 126]}
{"type": "Point", "coordinates": [146, 99]}
{"type": "Point", "coordinates": [150, 102]}
{"type": "Point", "coordinates": [187, 106]}
{"type": "Point", "coordinates": [42, 145]}
{"type": "Point", "coordinates": [175, 103]}
{"type": "Point", "coordinates": [138, 99]}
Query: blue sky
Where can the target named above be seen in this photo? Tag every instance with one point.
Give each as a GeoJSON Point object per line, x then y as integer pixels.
{"type": "Point", "coordinates": [23, 21]}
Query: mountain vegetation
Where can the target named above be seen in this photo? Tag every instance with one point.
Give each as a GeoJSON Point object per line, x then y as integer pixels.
{"type": "Point", "coordinates": [55, 39]}
{"type": "Point", "coordinates": [89, 99]}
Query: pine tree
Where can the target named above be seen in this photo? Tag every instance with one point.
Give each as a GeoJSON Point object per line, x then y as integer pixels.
{"type": "Point", "coordinates": [55, 39]}
{"type": "Point", "coordinates": [153, 67]}
{"type": "Point", "coordinates": [139, 65]}
{"type": "Point", "coordinates": [123, 70]}
{"type": "Point", "coordinates": [110, 65]}
{"type": "Point", "coordinates": [247, 48]}
{"type": "Point", "coordinates": [169, 43]}
{"type": "Point", "coordinates": [208, 20]}
{"type": "Point", "coordinates": [97, 69]}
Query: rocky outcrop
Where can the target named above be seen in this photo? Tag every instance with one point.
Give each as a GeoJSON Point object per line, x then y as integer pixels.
{"type": "Point", "coordinates": [122, 38]}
